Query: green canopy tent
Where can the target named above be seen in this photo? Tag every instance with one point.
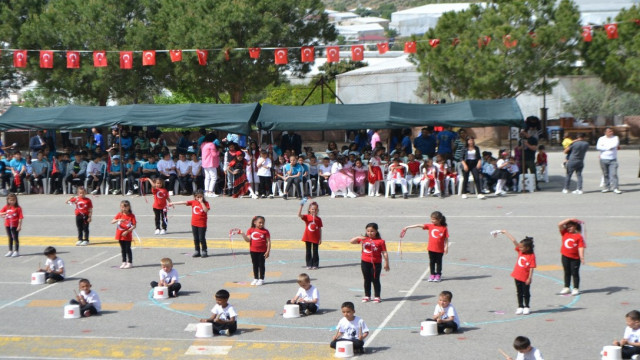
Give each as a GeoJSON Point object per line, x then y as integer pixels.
{"type": "Point", "coordinates": [235, 118]}
{"type": "Point", "coordinates": [390, 115]}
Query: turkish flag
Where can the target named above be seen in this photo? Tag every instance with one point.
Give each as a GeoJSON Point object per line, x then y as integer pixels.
{"type": "Point", "coordinates": [254, 52]}
{"type": "Point", "coordinates": [99, 58]}
{"type": "Point", "coordinates": [46, 59]}
{"type": "Point", "coordinates": [227, 54]}
{"type": "Point", "coordinates": [202, 57]}
{"type": "Point", "coordinates": [383, 47]}
{"type": "Point", "coordinates": [308, 54]}
{"type": "Point", "coordinates": [357, 52]}
{"type": "Point", "coordinates": [176, 55]}
{"type": "Point", "coordinates": [455, 42]}
{"type": "Point", "coordinates": [333, 54]}
{"type": "Point", "coordinates": [20, 58]}
{"type": "Point", "coordinates": [612, 30]}
{"type": "Point", "coordinates": [586, 33]}
{"type": "Point", "coordinates": [148, 58]}
{"type": "Point", "coordinates": [434, 43]}
{"type": "Point", "coordinates": [281, 55]}
{"type": "Point", "coordinates": [73, 60]}
{"type": "Point", "coordinates": [484, 41]}
{"type": "Point", "coordinates": [509, 42]}
{"type": "Point", "coordinates": [410, 47]}
{"type": "Point", "coordinates": [126, 59]}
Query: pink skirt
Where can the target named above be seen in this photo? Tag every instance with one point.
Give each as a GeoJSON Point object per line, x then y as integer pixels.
{"type": "Point", "coordinates": [340, 182]}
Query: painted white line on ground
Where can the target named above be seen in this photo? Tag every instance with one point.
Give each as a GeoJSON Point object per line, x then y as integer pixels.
{"type": "Point", "coordinates": [224, 340]}
{"type": "Point", "coordinates": [15, 282]}
{"type": "Point", "coordinates": [395, 309]}
{"type": "Point", "coordinates": [54, 284]}
{"type": "Point", "coordinates": [408, 216]}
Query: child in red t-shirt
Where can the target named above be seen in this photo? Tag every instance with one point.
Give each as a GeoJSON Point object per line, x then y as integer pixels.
{"type": "Point", "coordinates": [312, 233]}
{"type": "Point", "coordinates": [84, 209]}
{"type": "Point", "coordinates": [12, 213]}
{"type": "Point", "coordinates": [374, 249]}
{"type": "Point", "coordinates": [523, 271]}
{"type": "Point", "coordinates": [160, 200]}
{"type": "Point", "coordinates": [259, 241]}
{"type": "Point", "coordinates": [199, 209]}
{"type": "Point", "coordinates": [572, 251]}
{"type": "Point", "coordinates": [438, 242]}
{"type": "Point", "coordinates": [124, 232]}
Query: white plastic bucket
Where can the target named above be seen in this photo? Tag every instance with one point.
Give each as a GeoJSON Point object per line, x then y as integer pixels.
{"type": "Point", "coordinates": [204, 330]}
{"type": "Point", "coordinates": [611, 352]}
{"type": "Point", "coordinates": [428, 328]}
{"type": "Point", "coordinates": [37, 278]}
{"type": "Point", "coordinates": [291, 311]}
{"type": "Point", "coordinates": [72, 312]}
{"type": "Point", "coordinates": [160, 292]}
{"type": "Point", "coordinates": [344, 349]}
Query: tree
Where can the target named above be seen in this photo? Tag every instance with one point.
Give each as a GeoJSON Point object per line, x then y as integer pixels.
{"type": "Point", "coordinates": [227, 25]}
{"type": "Point", "coordinates": [386, 10]}
{"type": "Point", "coordinates": [590, 100]}
{"type": "Point", "coordinates": [616, 61]}
{"type": "Point", "coordinates": [91, 25]}
{"type": "Point", "coordinates": [481, 66]}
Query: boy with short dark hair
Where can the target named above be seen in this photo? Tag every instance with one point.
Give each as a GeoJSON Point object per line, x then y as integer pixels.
{"type": "Point", "coordinates": [351, 328]}
{"type": "Point", "coordinates": [525, 351]}
{"type": "Point", "coordinates": [54, 270]}
{"type": "Point", "coordinates": [88, 299]}
{"type": "Point", "coordinates": [225, 317]}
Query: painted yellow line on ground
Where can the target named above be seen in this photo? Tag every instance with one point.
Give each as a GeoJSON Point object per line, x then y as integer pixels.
{"type": "Point", "coordinates": [45, 347]}
{"type": "Point", "coordinates": [606, 264]}
{"type": "Point", "coordinates": [548, 267]}
{"type": "Point", "coordinates": [215, 244]}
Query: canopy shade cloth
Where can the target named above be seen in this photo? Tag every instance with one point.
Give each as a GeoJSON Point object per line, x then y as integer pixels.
{"type": "Point", "coordinates": [388, 115]}
{"type": "Point", "coordinates": [235, 118]}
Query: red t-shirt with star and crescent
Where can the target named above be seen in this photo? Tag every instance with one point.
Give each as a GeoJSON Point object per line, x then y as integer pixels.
{"type": "Point", "coordinates": [126, 222]}
{"type": "Point", "coordinates": [83, 205]}
{"type": "Point", "coordinates": [198, 215]}
{"type": "Point", "coordinates": [372, 250]}
{"type": "Point", "coordinates": [12, 216]}
{"type": "Point", "coordinates": [523, 265]}
{"type": "Point", "coordinates": [313, 225]}
{"type": "Point", "coordinates": [258, 239]}
{"type": "Point", "coordinates": [437, 236]}
{"type": "Point", "coordinates": [160, 196]}
{"type": "Point", "coordinates": [571, 242]}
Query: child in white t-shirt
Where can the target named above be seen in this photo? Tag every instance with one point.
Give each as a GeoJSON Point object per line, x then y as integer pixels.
{"type": "Point", "coordinates": [225, 317]}
{"type": "Point", "coordinates": [88, 299]}
{"type": "Point", "coordinates": [168, 277]}
{"type": "Point", "coordinates": [525, 351]}
{"type": "Point", "coordinates": [54, 270]}
{"type": "Point", "coordinates": [351, 328]}
{"type": "Point", "coordinates": [445, 314]}
{"type": "Point", "coordinates": [196, 171]}
{"type": "Point", "coordinates": [307, 296]}
{"type": "Point", "coordinates": [630, 341]}
{"type": "Point", "coordinates": [183, 169]}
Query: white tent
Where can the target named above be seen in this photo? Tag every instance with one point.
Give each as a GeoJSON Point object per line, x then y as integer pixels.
{"type": "Point", "coordinates": [420, 19]}
{"type": "Point", "coordinates": [392, 80]}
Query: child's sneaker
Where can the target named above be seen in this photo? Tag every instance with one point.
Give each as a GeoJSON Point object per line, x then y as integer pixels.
{"type": "Point", "coordinates": [575, 292]}
{"type": "Point", "coordinates": [377, 300]}
{"type": "Point", "coordinates": [519, 311]}
{"type": "Point", "coordinates": [128, 265]}
{"type": "Point", "coordinates": [157, 232]}
{"type": "Point", "coordinates": [307, 312]}
{"type": "Point", "coordinates": [526, 311]}
{"type": "Point", "coordinates": [447, 330]}
{"type": "Point", "coordinates": [204, 254]}
{"type": "Point", "coordinates": [163, 232]}
{"type": "Point", "coordinates": [255, 281]}
{"type": "Point", "coordinates": [9, 253]}
{"type": "Point", "coordinates": [260, 282]}
{"type": "Point", "coordinates": [79, 242]}
{"type": "Point", "coordinates": [224, 332]}
{"type": "Point", "coordinates": [15, 254]}
{"type": "Point", "coordinates": [196, 254]}
{"type": "Point", "coordinates": [565, 291]}
{"type": "Point", "coordinates": [87, 313]}
{"type": "Point", "coordinates": [123, 265]}
{"type": "Point", "coordinates": [431, 278]}
{"type": "Point", "coordinates": [84, 243]}
{"type": "Point", "coordinates": [437, 278]}
{"type": "Point", "coordinates": [365, 299]}
{"type": "Point", "coordinates": [50, 281]}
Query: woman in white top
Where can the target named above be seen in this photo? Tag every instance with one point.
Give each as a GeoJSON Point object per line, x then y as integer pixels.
{"type": "Point", "coordinates": [471, 163]}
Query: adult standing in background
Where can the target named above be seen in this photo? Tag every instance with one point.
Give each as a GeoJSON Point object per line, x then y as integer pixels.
{"type": "Point", "coordinates": [426, 143]}
{"type": "Point", "coordinates": [375, 138]}
{"type": "Point", "coordinates": [577, 151]}
{"type": "Point", "coordinates": [608, 146]}
{"type": "Point", "coordinates": [529, 144]}
{"type": "Point", "coordinates": [445, 142]}
{"type": "Point", "coordinates": [98, 139]}
{"type": "Point", "coordinates": [406, 141]}
{"type": "Point", "coordinates": [291, 141]}
{"type": "Point", "coordinates": [37, 143]}
{"type": "Point", "coordinates": [459, 146]}
{"type": "Point", "coordinates": [210, 164]}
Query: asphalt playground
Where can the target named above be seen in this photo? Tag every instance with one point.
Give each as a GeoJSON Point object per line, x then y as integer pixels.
{"type": "Point", "coordinates": [477, 270]}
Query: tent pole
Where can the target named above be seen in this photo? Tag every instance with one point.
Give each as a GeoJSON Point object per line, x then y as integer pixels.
{"type": "Point", "coordinates": [121, 159]}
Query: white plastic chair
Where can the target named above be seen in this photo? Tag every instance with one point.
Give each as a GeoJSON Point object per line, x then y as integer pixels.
{"type": "Point", "coordinates": [388, 182]}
